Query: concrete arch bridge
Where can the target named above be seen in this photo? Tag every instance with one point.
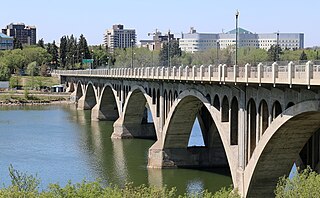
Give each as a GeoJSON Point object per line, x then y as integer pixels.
{"type": "Point", "coordinates": [256, 120]}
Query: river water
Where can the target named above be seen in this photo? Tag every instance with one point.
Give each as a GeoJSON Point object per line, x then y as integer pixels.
{"type": "Point", "coordinates": [59, 143]}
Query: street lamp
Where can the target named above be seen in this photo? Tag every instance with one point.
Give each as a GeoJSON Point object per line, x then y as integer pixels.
{"type": "Point", "coordinates": [277, 57]}
{"type": "Point", "coordinates": [168, 48]}
{"type": "Point", "coordinates": [218, 47]}
{"type": "Point", "coordinates": [72, 61]}
{"type": "Point", "coordinates": [237, 32]}
{"type": "Point", "coordinates": [132, 53]}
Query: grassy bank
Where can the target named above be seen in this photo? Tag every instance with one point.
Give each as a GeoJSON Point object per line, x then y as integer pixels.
{"type": "Point", "coordinates": [31, 90]}
{"type": "Point", "coordinates": [33, 82]}
{"type": "Point", "coordinates": [21, 97]}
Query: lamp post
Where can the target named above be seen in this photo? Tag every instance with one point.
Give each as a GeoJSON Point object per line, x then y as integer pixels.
{"type": "Point", "coordinates": [237, 32]}
{"type": "Point", "coordinates": [218, 47]}
{"type": "Point", "coordinates": [72, 61]}
{"type": "Point", "coordinates": [131, 53]}
{"type": "Point", "coordinates": [277, 47]}
{"type": "Point", "coordinates": [168, 48]}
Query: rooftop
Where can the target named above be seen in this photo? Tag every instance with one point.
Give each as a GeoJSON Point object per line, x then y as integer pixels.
{"type": "Point", "coordinates": [4, 36]}
{"type": "Point", "coordinates": [241, 31]}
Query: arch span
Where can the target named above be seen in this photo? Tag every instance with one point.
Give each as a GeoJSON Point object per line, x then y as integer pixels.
{"type": "Point", "coordinates": [90, 99]}
{"type": "Point", "coordinates": [279, 147]}
{"type": "Point", "coordinates": [133, 121]}
{"type": "Point", "coordinates": [172, 151]}
{"type": "Point", "coordinates": [107, 107]}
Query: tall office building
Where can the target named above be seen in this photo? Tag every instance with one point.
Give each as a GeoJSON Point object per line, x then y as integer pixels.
{"type": "Point", "coordinates": [194, 41]}
{"type": "Point", "coordinates": [118, 37]}
{"type": "Point", "coordinates": [25, 34]}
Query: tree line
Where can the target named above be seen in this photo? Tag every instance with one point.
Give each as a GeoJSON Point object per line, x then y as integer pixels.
{"type": "Point", "coordinates": [40, 59]}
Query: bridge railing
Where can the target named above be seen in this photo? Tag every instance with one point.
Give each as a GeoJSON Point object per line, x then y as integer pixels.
{"type": "Point", "coordinates": [304, 74]}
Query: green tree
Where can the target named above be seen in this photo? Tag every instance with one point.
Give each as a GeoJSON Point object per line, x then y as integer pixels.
{"type": "Point", "coordinates": [41, 43]}
{"type": "Point", "coordinates": [63, 51]}
{"type": "Point", "coordinates": [274, 53]}
{"type": "Point", "coordinates": [52, 49]}
{"type": "Point", "coordinates": [33, 69]}
{"type": "Point", "coordinates": [72, 54]}
{"type": "Point", "coordinates": [83, 48]}
{"type": "Point", "coordinates": [303, 56]}
{"type": "Point", "coordinates": [17, 44]}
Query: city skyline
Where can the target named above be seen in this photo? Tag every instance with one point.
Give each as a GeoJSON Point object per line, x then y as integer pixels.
{"type": "Point", "coordinates": [78, 17]}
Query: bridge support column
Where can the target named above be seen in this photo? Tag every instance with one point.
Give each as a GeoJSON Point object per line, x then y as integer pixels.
{"type": "Point", "coordinates": [120, 131]}
{"type": "Point", "coordinates": [73, 97]}
{"type": "Point", "coordinates": [123, 130]}
{"type": "Point", "coordinates": [81, 103]}
{"type": "Point", "coordinates": [193, 157]}
{"type": "Point", "coordinates": [96, 114]}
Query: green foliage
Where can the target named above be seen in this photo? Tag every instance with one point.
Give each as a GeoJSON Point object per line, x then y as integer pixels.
{"type": "Point", "coordinates": [303, 56]}
{"type": "Point", "coordinates": [32, 69]}
{"type": "Point", "coordinates": [23, 181]}
{"type": "Point", "coordinates": [24, 185]}
{"type": "Point", "coordinates": [14, 81]}
{"type": "Point", "coordinates": [40, 43]}
{"type": "Point", "coordinates": [303, 184]}
{"type": "Point", "coordinates": [17, 44]}
{"type": "Point", "coordinates": [274, 53]}
{"type": "Point", "coordinates": [174, 54]}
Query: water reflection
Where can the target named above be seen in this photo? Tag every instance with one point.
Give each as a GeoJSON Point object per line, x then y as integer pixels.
{"type": "Point", "coordinates": [120, 165]}
{"type": "Point", "coordinates": [155, 177]}
{"type": "Point", "coordinates": [63, 143]}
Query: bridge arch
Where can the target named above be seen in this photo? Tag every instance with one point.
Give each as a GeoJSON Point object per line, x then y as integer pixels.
{"type": "Point", "coordinates": [79, 91]}
{"type": "Point", "coordinates": [90, 99]}
{"type": "Point", "coordinates": [178, 126]}
{"type": "Point", "coordinates": [108, 104]}
{"type": "Point", "coordinates": [135, 114]}
{"type": "Point", "coordinates": [279, 147]}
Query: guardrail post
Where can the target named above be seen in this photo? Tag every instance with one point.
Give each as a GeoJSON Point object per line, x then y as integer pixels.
{"type": "Point", "coordinates": [224, 73]}
{"type": "Point", "coordinates": [260, 72]}
{"type": "Point", "coordinates": [152, 72]}
{"type": "Point", "coordinates": [187, 72]}
{"type": "Point", "coordinates": [210, 72]}
{"type": "Point", "coordinates": [247, 72]}
{"type": "Point", "coordinates": [309, 72]}
{"type": "Point", "coordinates": [220, 73]}
{"type": "Point", "coordinates": [162, 72]}
{"type": "Point", "coordinates": [158, 71]}
{"type": "Point", "coordinates": [290, 73]}
{"type": "Point", "coordinates": [174, 72]}
{"type": "Point", "coordinates": [194, 72]}
{"type": "Point", "coordinates": [274, 73]}
{"type": "Point", "coordinates": [201, 73]}
{"type": "Point", "coordinates": [180, 72]}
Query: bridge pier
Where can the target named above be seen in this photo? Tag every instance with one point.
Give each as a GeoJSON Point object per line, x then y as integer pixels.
{"type": "Point", "coordinates": [81, 105]}
{"type": "Point", "coordinates": [191, 157]}
{"type": "Point", "coordinates": [123, 130]}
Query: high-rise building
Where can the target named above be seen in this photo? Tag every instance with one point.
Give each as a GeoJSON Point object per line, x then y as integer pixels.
{"type": "Point", "coordinates": [194, 41]}
{"type": "Point", "coordinates": [25, 34]}
{"type": "Point", "coordinates": [158, 40]}
{"type": "Point", "coordinates": [118, 37]}
{"type": "Point", "coordinates": [6, 42]}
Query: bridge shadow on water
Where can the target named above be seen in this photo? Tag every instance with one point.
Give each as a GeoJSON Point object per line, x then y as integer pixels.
{"type": "Point", "coordinates": [119, 161]}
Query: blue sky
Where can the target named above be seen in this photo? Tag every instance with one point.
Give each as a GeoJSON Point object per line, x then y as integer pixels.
{"type": "Point", "coordinates": [55, 18]}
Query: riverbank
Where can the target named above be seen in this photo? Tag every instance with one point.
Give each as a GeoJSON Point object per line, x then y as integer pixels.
{"type": "Point", "coordinates": [23, 97]}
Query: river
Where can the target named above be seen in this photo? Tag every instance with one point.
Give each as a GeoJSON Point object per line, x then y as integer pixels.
{"type": "Point", "coordinates": [58, 143]}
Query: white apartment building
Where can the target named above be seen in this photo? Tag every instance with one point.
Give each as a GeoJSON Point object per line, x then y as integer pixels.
{"type": "Point", "coordinates": [193, 41]}
{"type": "Point", "coordinates": [117, 37]}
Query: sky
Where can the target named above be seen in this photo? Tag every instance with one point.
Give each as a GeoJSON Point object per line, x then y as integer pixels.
{"type": "Point", "coordinates": [56, 18]}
